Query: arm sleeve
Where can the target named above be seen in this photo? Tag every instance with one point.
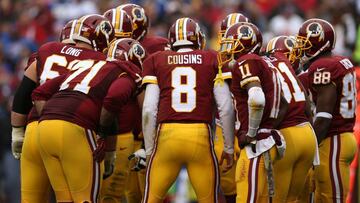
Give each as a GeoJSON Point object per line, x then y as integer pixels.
{"type": "Point", "coordinates": [149, 116]}
{"type": "Point", "coordinates": [22, 102]}
{"type": "Point", "coordinates": [226, 114]}
{"type": "Point", "coordinates": [256, 104]}
{"type": "Point", "coordinates": [46, 90]}
{"type": "Point", "coordinates": [119, 93]}
{"type": "Point", "coordinates": [148, 74]}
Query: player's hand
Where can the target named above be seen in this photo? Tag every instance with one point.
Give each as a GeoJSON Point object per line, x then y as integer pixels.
{"type": "Point", "coordinates": [109, 163]}
{"type": "Point", "coordinates": [139, 158]}
{"type": "Point", "coordinates": [279, 141]}
{"type": "Point", "coordinates": [99, 152]}
{"type": "Point", "coordinates": [229, 161]}
{"type": "Point", "coordinates": [17, 140]}
{"type": "Point", "coordinates": [245, 140]}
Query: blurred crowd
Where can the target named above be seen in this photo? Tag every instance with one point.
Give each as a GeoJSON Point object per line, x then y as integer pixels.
{"type": "Point", "coordinates": [27, 24]}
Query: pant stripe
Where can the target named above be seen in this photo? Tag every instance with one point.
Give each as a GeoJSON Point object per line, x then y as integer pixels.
{"type": "Point", "coordinates": [96, 167]}
{"type": "Point", "coordinates": [252, 180]}
{"type": "Point", "coordinates": [148, 169]}
{"type": "Point", "coordinates": [256, 177]}
{"type": "Point", "coordinates": [249, 180]}
{"type": "Point", "coordinates": [338, 168]}
{"type": "Point", "coordinates": [334, 169]}
{"type": "Point", "coordinates": [216, 165]}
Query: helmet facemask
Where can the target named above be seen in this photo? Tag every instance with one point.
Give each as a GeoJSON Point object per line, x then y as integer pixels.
{"type": "Point", "coordinates": [229, 50]}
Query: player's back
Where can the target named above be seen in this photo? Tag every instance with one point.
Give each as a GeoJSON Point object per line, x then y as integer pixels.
{"type": "Point", "coordinates": [82, 92]}
{"type": "Point", "coordinates": [154, 44]}
{"type": "Point", "coordinates": [293, 92]}
{"type": "Point", "coordinates": [129, 118]}
{"type": "Point", "coordinates": [339, 71]}
{"type": "Point", "coordinates": [251, 67]}
{"type": "Point", "coordinates": [55, 59]}
{"type": "Point", "coordinates": [186, 81]}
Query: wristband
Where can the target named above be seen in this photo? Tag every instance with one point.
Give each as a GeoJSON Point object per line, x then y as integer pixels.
{"type": "Point", "coordinates": [323, 115]}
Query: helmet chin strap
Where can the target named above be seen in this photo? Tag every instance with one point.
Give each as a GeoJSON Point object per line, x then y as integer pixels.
{"type": "Point", "coordinates": [94, 45]}
{"type": "Point", "coordinates": [255, 47]}
{"type": "Point", "coordinates": [306, 59]}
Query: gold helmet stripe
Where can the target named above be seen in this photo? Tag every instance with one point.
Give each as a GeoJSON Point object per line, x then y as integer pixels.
{"type": "Point", "coordinates": [233, 19]}
{"type": "Point", "coordinates": [270, 45]}
{"type": "Point", "coordinates": [78, 25]}
{"type": "Point", "coordinates": [180, 28]}
{"type": "Point", "coordinates": [110, 51]}
{"type": "Point", "coordinates": [117, 18]}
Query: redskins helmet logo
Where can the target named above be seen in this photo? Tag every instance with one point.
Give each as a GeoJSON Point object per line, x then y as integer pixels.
{"type": "Point", "coordinates": [315, 29]}
{"type": "Point", "coordinates": [247, 33]}
{"type": "Point", "coordinates": [289, 42]}
{"type": "Point", "coordinates": [105, 28]}
{"type": "Point", "coordinates": [138, 51]}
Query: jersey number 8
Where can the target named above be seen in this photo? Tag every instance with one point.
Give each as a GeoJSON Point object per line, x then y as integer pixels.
{"type": "Point", "coordinates": [183, 95]}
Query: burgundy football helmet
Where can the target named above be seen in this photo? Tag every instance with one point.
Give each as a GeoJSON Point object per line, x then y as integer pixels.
{"type": "Point", "coordinates": [121, 22]}
{"type": "Point", "coordinates": [283, 44]}
{"type": "Point", "coordinates": [230, 20]}
{"type": "Point", "coordinates": [186, 32]}
{"type": "Point", "coordinates": [127, 49]}
{"type": "Point", "coordinates": [95, 30]}
{"type": "Point", "coordinates": [67, 32]}
{"type": "Point", "coordinates": [140, 21]}
{"type": "Point", "coordinates": [315, 37]}
{"type": "Point", "coordinates": [239, 39]}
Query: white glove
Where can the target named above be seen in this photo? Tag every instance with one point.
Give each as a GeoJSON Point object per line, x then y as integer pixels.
{"type": "Point", "coordinates": [140, 160]}
{"type": "Point", "coordinates": [109, 162]}
{"type": "Point", "coordinates": [17, 140]}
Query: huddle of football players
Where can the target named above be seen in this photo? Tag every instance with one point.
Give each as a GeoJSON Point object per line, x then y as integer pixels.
{"type": "Point", "coordinates": [110, 114]}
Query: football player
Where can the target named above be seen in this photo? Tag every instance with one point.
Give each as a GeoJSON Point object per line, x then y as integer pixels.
{"type": "Point", "coordinates": [56, 59]}
{"type": "Point", "coordinates": [136, 182]}
{"type": "Point", "coordinates": [177, 113]}
{"type": "Point", "coordinates": [331, 81]}
{"type": "Point", "coordinates": [35, 186]}
{"type": "Point", "coordinates": [292, 169]}
{"type": "Point", "coordinates": [227, 179]}
{"type": "Point", "coordinates": [254, 81]}
{"type": "Point", "coordinates": [113, 188]}
{"type": "Point", "coordinates": [141, 23]}
{"type": "Point", "coordinates": [94, 84]}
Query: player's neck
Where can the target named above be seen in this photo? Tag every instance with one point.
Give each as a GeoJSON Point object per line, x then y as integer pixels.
{"type": "Point", "coordinates": [83, 45]}
{"type": "Point", "coordinates": [185, 49]}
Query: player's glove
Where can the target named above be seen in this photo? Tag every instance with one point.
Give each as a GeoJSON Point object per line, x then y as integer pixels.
{"type": "Point", "coordinates": [109, 162]}
{"type": "Point", "coordinates": [17, 140]}
{"type": "Point", "coordinates": [139, 158]}
{"type": "Point", "coordinates": [280, 142]}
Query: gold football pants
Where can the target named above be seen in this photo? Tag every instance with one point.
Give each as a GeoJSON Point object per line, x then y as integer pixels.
{"type": "Point", "coordinates": [113, 188]}
{"type": "Point", "coordinates": [182, 145]}
{"type": "Point", "coordinates": [66, 150]}
{"type": "Point", "coordinates": [290, 172]}
{"type": "Point", "coordinates": [135, 187]}
{"type": "Point", "coordinates": [227, 179]}
{"type": "Point", "coordinates": [35, 184]}
{"type": "Point", "coordinates": [332, 176]}
{"type": "Point", "coordinates": [251, 178]}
